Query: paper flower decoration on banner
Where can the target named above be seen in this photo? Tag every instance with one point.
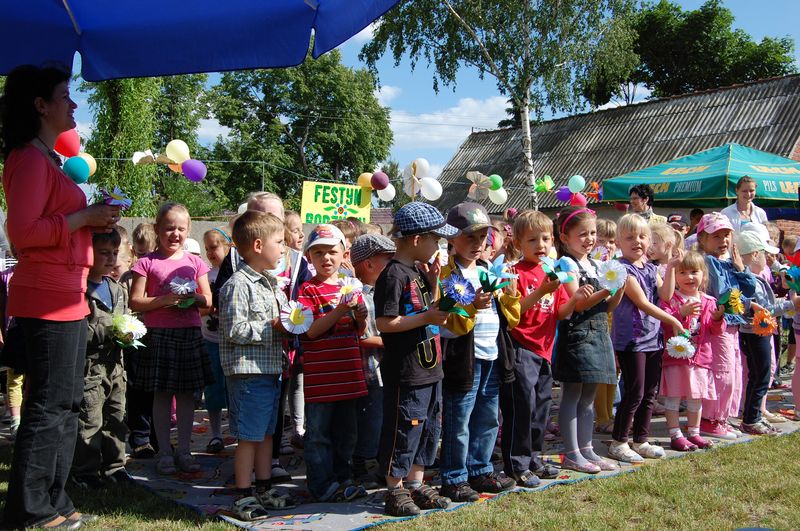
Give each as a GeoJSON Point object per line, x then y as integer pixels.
{"type": "Point", "coordinates": [296, 318]}
{"type": "Point", "coordinates": [732, 300]}
{"type": "Point", "coordinates": [561, 269]}
{"type": "Point", "coordinates": [793, 278]}
{"type": "Point", "coordinates": [680, 347]}
{"type": "Point", "coordinates": [492, 278]}
{"type": "Point", "coordinates": [481, 184]}
{"type": "Point", "coordinates": [349, 289]}
{"type": "Point", "coordinates": [764, 324]}
{"type": "Point", "coordinates": [456, 290]}
{"type": "Point", "coordinates": [612, 275]}
{"type": "Point", "coordinates": [117, 198]}
{"type": "Point", "coordinates": [183, 286]}
{"type": "Point", "coordinates": [545, 184]}
{"type": "Point", "coordinates": [127, 330]}
{"type": "Point", "coordinates": [596, 193]}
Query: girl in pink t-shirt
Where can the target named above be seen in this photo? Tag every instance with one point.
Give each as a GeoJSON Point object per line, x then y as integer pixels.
{"type": "Point", "coordinates": [174, 361]}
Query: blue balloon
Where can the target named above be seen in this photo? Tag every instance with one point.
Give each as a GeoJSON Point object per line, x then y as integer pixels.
{"type": "Point", "coordinates": [77, 169]}
{"type": "Point", "coordinates": [576, 184]}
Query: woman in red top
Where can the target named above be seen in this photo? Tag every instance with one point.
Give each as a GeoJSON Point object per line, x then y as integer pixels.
{"type": "Point", "coordinates": [51, 227]}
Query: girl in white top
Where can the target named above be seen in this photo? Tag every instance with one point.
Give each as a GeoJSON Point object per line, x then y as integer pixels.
{"type": "Point", "coordinates": [743, 211]}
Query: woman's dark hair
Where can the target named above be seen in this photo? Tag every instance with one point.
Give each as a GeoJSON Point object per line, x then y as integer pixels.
{"type": "Point", "coordinates": [19, 119]}
{"type": "Point", "coordinates": [644, 191]}
{"type": "Point", "coordinates": [566, 219]}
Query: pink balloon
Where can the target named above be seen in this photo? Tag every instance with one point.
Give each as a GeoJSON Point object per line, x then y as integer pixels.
{"type": "Point", "coordinates": [68, 143]}
{"type": "Point", "coordinates": [379, 180]}
{"type": "Point", "coordinates": [563, 194]}
{"type": "Point", "coordinates": [194, 170]}
{"type": "Point", "coordinates": [578, 200]}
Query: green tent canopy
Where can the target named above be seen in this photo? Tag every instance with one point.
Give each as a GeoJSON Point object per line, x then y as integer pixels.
{"type": "Point", "coordinates": [708, 178]}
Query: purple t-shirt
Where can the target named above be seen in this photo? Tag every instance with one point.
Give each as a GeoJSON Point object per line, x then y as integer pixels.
{"type": "Point", "coordinates": [159, 272]}
{"type": "Point", "coordinates": [632, 329]}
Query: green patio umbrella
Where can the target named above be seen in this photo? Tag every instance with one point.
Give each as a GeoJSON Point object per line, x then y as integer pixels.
{"type": "Point", "coordinates": [708, 178]}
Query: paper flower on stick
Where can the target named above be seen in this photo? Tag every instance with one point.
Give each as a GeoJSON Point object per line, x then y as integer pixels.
{"type": "Point", "coordinates": [456, 290]}
{"type": "Point", "coordinates": [612, 275]}
{"type": "Point", "coordinates": [793, 278]}
{"type": "Point", "coordinates": [680, 347]}
{"type": "Point", "coordinates": [596, 193]}
{"type": "Point", "coordinates": [117, 198]}
{"type": "Point", "coordinates": [183, 286]}
{"type": "Point", "coordinates": [492, 278]}
{"type": "Point", "coordinates": [732, 300]}
{"type": "Point", "coordinates": [561, 269]}
{"type": "Point", "coordinates": [349, 289]}
{"type": "Point", "coordinates": [545, 184]}
{"type": "Point", "coordinates": [480, 187]}
{"type": "Point", "coordinates": [764, 324]}
{"type": "Point", "coordinates": [600, 253]}
{"type": "Point", "coordinates": [296, 318]}
{"type": "Point", "coordinates": [127, 330]}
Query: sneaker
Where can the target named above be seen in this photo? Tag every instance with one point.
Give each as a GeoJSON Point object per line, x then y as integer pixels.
{"type": "Point", "coordinates": [713, 428]}
{"type": "Point", "coordinates": [759, 428]}
{"type": "Point", "coordinates": [187, 464]}
{"type": "Point", "coordinates": [459, 492]}
{"type": "Point", "coordinates": [682, 444]}
{"type": "Point", "coordinates": [426, 497]}
{"type": "Point", "coordinates": [121, 476]}
{"type": "Point", "coordinates": [732, 429]}
{"type": "Point", "coordinates": [89, 481]}
{"type": "Point", "coordinates": [286, 446]}
{"type": "Point", "coordinates": [700, 442]}
{"type": "Point", "coordinates": [166, 465]}
{"type": "Point", "coordinates": [587, 468]}
{"type": "Point", "coordinates": [399, 503]}
{"type": "Point", "coordinates": [659, 409]}
{"type": "Point", "coordinates": [527, 479]}
{"type": "Point", "coordinates": [546, 471]}
{"type": "Point", "coordinates": [621, 451]}
{"type": "Point", "coordinates": [297, 441]}
{"type": "Point", "coordinates": [368, 481]}
{"type": "Point", "coordinates": [144, 451]}
{"type": "Point", "coordinates": [772, 418]}
{"type": "Point", "coordinates": [604, 464]}
{"type": "Point", "coordinates": [280, 474]}
{"type": "Point", "coordinates": [492, 482]}
{"type": "Point", "coordinates": [787, 369]}
{"type": "Point", "coordinates": [648, 451]}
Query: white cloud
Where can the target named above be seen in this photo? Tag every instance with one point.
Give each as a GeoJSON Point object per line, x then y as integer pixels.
{"type": "Point", "coordinates": [84, 128]}
{"type": "Point", "coordinates": [641, 94]}
{"type": "Point", "coordinates": [446, 128]}
{"type": "Point", "coordinates": [436, 170]}
{"type": "Point", "coordinates": [210, 129]}
{"type": "Point", "coordinates": [365, 34]}
{"type": "Point", "coordinates": [387, 93]}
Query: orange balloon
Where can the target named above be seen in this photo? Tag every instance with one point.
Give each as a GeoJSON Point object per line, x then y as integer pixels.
{"type": "Point", "coordinates": [175, 167]}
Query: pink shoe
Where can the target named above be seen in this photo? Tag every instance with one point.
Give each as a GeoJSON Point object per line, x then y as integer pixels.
{"type": "Point", "coordinates": [682, 444]}
{"type": "Point", "coordinates": [588, 468]}
{"type": "Point", "coordinates": [700, 442]}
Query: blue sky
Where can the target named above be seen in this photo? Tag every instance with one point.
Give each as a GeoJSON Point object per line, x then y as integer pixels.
{"type": "Point", "coordinates": [433, 126]}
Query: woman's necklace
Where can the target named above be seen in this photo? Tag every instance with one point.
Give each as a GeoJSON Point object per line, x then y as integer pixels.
{"type": "Point", "coordinates": [52, 154]}
{"type": "Point", "coordinates": [747, 212]}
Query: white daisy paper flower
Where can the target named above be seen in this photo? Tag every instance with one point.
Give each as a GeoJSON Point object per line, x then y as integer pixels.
{"type": "Point", "coordinates": [127, 330]}
{"type": "Point", "coordinates": [182, 286]}
{"type": "Point", "coordinates": [349, 289]}
{"type": "Point", "coordinates": [296, 318]}
{"type": "Point", "coordinates": [612, 275]}
{"type": "Point", "coordinates": [679, 347]}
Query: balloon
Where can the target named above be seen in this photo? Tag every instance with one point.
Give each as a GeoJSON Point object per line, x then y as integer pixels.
{"type": "Point", "coordinates": [194, 170]}
{"type": "Point", "coordinates": [420, 168]}
{"type": "Point", "coordinates": [68, 143]}
{"type": "Point", "coordinates": [77, 169]}
{"type": "Point", "coordinates": [578, 200]}
{"type": "Point", "coordinates": [90, 161]}
{"type": "Point", "coordinates": [175, 167]}
{"type": "Point", "coordinates": [388, 193]}
{"type": "Point", "coordinates": [430, 188]}
{"type": "Point", "coordinates": [563, 194]}
{"type": "Point", "coordinates": [499, 196]}
{"type": "Point", "coordinates": [379, 180]}
{"type": "Point", "coordinates": [497, 182]}
{"type": "Point", "coordinates": [576, 184]}
{"type": "Point", "coordinates": [178, 151]}
{"type": "Point", "coordinates": [363, 180]}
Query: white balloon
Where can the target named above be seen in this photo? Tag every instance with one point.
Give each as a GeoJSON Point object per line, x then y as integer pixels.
{"type": "Point", "coordinates": [178, 151]}
{"type": "Point", "coordinates": [387, 194]}
{"type": "Point", "coordinates": [431, 188]}
{"type": "Point", "coordinates": [423, 168]}
{"type": "Point", "coordinates": [499, 196]}
{"type": "Point", "coordinates": [410, 183]}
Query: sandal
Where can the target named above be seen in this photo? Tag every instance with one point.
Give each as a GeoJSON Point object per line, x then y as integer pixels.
{"type": "Point", "coordinates": [215, 446]}
{"type": "Point", "coordinates": [426, 497]}
{"type": "Point", "coordinates": [347, 493]}
{"type": "Point", "coordinates": [186, 463]}
{"type": "Point", "coordinates": [249, 510]}
{"type": "Point", "coordinates": [271, 499]}
{"type": "Point", "coordinates": [166, 465]}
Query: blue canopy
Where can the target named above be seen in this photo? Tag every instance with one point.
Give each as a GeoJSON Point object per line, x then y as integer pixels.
{"type": "Point", "coordinates": [123, 38]}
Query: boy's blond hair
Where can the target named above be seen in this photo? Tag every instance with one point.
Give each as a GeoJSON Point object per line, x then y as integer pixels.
{"type": "Point", "coordinates": [350, 227]}
{"type": "Point", "coordinates": [633, 223]}
{"type": "Point", "coordinates": [254, 225]}
{"type": "Point", "coordinates": [531, 220]}
{"type": "Point", "coordinates": [145, 234]}
{"type": "Point", "coordinates": [789, 242]}
{"type": "Point", "coordinates": [606, 229]}
{"type": "Point", "coordinates": [371, 228]}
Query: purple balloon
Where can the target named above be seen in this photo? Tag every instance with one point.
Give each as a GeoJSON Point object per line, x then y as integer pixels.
{"type": "Point", "coordinates": [379, 180]}
{"type": "Point", "coordinates": [194, 170]}
{"type": "Point", "coordinates": [563, 193]}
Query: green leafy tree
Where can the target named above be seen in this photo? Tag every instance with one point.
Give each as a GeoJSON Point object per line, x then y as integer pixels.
{"type": "Point", "coordinates": [319, 120]}
{"type": "Point", "coordinates": [539, 51]}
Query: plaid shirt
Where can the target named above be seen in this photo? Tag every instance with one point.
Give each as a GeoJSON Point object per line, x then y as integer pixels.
{"type": "Point", "coordinates": [248, 302]}
{"type": "Point", "coordinates": [372, 356]}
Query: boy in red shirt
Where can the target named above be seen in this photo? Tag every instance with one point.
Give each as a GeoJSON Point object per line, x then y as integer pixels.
{"type": "Point", "coordinates": [525, 403]}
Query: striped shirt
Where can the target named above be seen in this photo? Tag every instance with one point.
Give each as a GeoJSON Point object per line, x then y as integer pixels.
{"type": "Point", "coordinates": [332, 364]}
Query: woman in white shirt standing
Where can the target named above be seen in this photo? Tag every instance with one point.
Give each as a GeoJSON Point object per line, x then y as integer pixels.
{"type": "Point", "coordinates": [743, 211]}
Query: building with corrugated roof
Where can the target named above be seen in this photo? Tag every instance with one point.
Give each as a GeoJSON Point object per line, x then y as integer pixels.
{"type": "Point", "coordinates": [598, 145]}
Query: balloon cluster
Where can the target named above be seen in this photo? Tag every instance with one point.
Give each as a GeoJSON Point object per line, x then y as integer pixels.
{"type": "Point", "coordinates": [486, 186]}
{"type": "Point", "coordinates": [379, 182]}
{"type": "Point", "coordinates": [416, 180]}
{"type": "Point", "coordinates": [177, 158]}
{"type": "Point", "coordinates": [78, 166]}
{"type": "Point", "coordinates": [573, 192]}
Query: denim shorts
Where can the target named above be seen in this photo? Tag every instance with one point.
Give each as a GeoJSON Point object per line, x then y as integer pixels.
{"type": "Point", "coordinates": [253, 405]}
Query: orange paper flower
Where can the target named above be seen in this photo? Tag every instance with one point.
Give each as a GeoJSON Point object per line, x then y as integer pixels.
{"type": "Point", "coordinates": [763, 323]}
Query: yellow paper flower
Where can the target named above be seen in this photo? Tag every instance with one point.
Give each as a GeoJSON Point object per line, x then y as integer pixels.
{"type": "Point", "coordinates": [735, 302]}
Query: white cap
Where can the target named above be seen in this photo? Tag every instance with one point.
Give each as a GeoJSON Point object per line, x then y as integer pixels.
{"type": "Point", "coordinates": [191, 246]}
{"type": "Point", "coordinates": [763, 236]}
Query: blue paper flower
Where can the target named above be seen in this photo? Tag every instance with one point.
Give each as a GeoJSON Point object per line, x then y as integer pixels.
{"type": "Point", "coordinates": [793, 278]}
{"type": "Point", "coordinates": [492, 277]}
{"type": "Point", "coordinates": [459, 289]}
{"type": "Point", "coordinates": [560, 269]}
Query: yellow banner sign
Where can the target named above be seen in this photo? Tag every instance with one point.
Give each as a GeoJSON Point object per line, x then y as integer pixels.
{"type": "Point", "coordinates": [324, 202]}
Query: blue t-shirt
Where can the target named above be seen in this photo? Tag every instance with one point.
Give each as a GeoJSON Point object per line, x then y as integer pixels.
{"type": "Point", "coordinates": [102, 291]}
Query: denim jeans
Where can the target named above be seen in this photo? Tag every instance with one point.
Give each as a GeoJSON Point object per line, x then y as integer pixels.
{"type": "Point", "coordinates": [331, 432]}
{"type": "Point", "coordinates": [56, 353]}
{"type": "Point", "coordinates": [758, 351]}
{"type": "Point", "coordinates": [469, 426]}
{"type": "Point", "coordinates": [370, 419]}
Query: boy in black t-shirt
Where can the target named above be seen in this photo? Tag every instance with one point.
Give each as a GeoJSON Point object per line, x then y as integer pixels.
{"type": "Point", "coordinates": [411, 368]}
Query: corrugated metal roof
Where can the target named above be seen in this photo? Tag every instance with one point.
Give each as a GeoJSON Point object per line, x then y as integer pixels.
{"type": "Point", "coordinates": [764, 115]}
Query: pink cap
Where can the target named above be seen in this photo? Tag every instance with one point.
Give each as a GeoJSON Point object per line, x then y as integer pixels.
{"type": "Point", "coordinates": [711, 223]}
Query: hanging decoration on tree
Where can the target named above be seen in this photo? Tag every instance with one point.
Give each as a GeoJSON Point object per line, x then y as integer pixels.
{"type": "Point", "coordinates": [545, 184]}
{"type": "Point", "coordinates": [177, 157]}
{"type": "Point", "coordinates": [596, 193]}
{"type": "Point", "coordinates": [481, 184]}
{"type": "Point", "coordinates": [417, 180]}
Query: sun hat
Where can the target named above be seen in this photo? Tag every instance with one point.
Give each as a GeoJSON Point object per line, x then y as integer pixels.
{"type": "Point", "coordinates": [757, 237]}
{"type": "Point", "coordinates": [190, 245]}
{"type": "Point", "coordinates": [711, 223]}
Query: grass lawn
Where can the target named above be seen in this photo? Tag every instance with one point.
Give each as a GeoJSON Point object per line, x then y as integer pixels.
{"type": "Point", "coordinates": [745, 485]}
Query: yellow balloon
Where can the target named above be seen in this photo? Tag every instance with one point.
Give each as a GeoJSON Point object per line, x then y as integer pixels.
{"type": "Point", "coordinates": [363, 180]}
{"type": "Point", "coordinates": [178, 151]}
{"type": "Point", "coordinates": [90, 161]}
